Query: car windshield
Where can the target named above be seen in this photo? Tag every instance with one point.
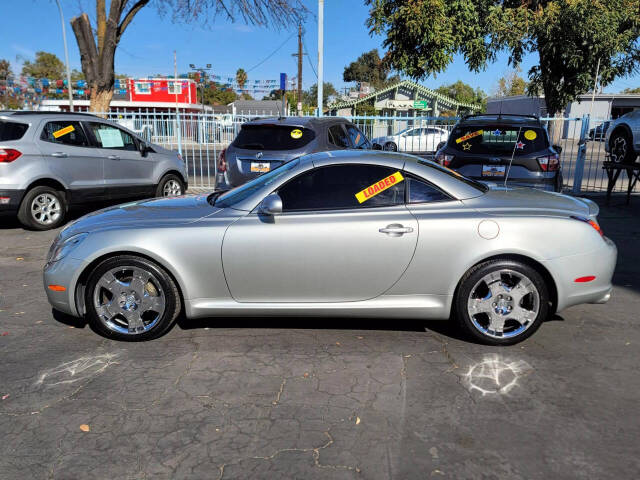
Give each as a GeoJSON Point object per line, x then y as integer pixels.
{"type": "Point", "coordinates": [232, 197]}
{"type": "Point", "coordinates": [498, 139]}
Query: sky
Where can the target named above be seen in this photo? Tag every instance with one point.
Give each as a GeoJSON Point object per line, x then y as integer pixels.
{"type": "Point", "coordinates": [148, 44]}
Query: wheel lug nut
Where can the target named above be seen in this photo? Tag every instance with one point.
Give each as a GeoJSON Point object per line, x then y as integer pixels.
{"type": "Point", "coordinates": [494, 304]}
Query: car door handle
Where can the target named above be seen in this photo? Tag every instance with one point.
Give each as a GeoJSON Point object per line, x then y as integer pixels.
{"type": "Point", "coordinates": [395, 230]}
{"type": "Point", "coordinates": [59, 154]}
{"type": "Point", "coordinates": [113, 157]}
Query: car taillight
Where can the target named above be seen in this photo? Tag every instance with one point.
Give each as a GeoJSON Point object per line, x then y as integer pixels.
{"type": "Point", "coordinates": [222, 161]}
{"type": "Point", "coordinates": [8, 155]}
{"type": "Point", "coordinates": [549, 163]}
{"type": "Point", "coordinates": [444, 159]}
{"type": "Point", "coordinates": [591, 222]}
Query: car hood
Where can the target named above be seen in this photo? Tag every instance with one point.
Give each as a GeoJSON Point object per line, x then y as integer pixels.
{"type": "Point", "coordinates": [514, 200]}
{"type": "Point", "coordinates": [154, 212]}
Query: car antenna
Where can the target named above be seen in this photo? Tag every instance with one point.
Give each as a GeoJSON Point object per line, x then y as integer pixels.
{"type": "Point", "coordinates": [513, 153]}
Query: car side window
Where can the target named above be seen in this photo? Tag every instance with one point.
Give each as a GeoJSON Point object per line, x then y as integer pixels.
{"type": "Point", "coordinates": [358, 140]}
{"type": "Point", "coordinates": [108, 136]}
{"type": "Point", "coordinates": [338, 137]}
{"type": "Point", "coordinates": [343, 186]}
{"type": "Point", "coordinates": [64, 133]}
{"type": "Point", "coordinates": [423, 192]}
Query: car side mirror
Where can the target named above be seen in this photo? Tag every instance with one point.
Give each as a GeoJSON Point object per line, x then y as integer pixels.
{"type": "Point", "coordinates": [377, 146]}
{"type": "Point", "coordinates": [271, 205]}
{"type": "Point", "coordinates": [143, 148]}
{"type": "Point", "coordinates": [558, 149]}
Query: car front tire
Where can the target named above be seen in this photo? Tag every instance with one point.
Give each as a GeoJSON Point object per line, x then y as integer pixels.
{"type": "Point", "coordinates": [170, 186]}
{"type": "Point", "coordinates": [501, 302]}
{"type": "Point", "coordinates": [43, 208]}
{"type": "Point", "coordinates": [390, 147]}
{"type": "Point", "coordinates": [131, 298]}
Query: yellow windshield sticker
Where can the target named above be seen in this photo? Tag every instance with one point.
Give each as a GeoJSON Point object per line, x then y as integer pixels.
{"type": "Point", "coordinates": [296, 133]}
{"type": "Point", "coordinates": [378, 187]}
{"type": "Point", "coordinates": [469, 135]}
{"type": "Point", "coordinates": [63, 131]}
{"type": "Point", "coordinates": [530, 135]}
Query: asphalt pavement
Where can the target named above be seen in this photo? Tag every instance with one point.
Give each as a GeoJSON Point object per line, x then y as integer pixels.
{"type": "Point", "coordinates": [318, 398]}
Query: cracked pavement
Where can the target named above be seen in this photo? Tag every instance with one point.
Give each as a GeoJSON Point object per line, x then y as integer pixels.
{"type": "Point", "coordinates": [318, 398]}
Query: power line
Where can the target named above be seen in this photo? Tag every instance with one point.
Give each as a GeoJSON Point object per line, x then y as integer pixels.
{"type": "Point", "coordinates": [304, 45]}
{"type": "Point", "coordinates": [272, 53]}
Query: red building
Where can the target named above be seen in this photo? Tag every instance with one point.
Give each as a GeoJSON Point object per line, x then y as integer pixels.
{"type": "Point", "coordinates": [141, 95]}
{"type": "Point", "coordinates": [162, 90]}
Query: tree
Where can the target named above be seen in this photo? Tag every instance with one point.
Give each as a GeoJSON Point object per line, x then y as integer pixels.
{"type": "Point", "coordinates": [216, 95]}
{"type": "Point", "coordinates": [241, 78]}
{"type": "Point", "coordinates": [5, 69]}
{"type": "Point", "coordinates": [7, 99]}
{"type": "Point", "coordinates": [46, 65]}
{"type": "Point", "coordinates": [368, 68]}
{"type": "Point", "coordinates": [310, 97]}
{"type": "Point", "coordinates": [464, 93]}
{"type": "Point", "coordinates": [632, 90]}
{"type": "Point", "coordinates": [97, 52]}
{"type": "Point", "coordinates": [511, 83]}
{"type": "Point", "coordinates": [570, 37]}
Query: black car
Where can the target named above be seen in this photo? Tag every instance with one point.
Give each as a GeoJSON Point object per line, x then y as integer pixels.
{"type": "Point", "coordinates": [492, 148]}
{"type": "Point", "coordinates": [262, 145]}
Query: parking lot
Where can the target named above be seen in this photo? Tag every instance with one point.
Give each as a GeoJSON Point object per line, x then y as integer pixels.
{"type": "Point", "coordinates": [318, 398]}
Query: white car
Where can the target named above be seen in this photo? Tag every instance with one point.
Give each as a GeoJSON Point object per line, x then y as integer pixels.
{"type": "Point", "coordinates": [622, 140]}
{"type": "Point", "coordinates": [413, 139]}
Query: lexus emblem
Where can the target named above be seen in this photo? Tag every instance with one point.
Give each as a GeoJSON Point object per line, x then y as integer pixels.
{"type": "Point", "coordinates": [258, 155]}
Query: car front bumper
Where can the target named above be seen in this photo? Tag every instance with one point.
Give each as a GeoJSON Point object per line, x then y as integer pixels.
{"type": "Point", "coordinates": [64, 273]}
{"type": "Point", "coordinates": [600, 263]}
{"type": "Point", "coordinates": [10, 200]}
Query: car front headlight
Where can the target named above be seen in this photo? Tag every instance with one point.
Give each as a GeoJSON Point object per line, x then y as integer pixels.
{"type": "Point", "coordinates": [59, 250]}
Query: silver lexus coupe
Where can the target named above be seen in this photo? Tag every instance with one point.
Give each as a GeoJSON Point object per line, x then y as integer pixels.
{"type": "Point", "coordinates": [344, 233]}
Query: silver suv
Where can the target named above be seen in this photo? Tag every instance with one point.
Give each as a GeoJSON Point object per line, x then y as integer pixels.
{"type": "Point", "coordinates": [49, 161]}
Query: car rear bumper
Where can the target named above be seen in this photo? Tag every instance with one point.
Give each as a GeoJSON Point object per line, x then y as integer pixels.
{"type": "Point", "coordinates": [10, 200]}
{"type": "Point", "coordinates": [599, 264]}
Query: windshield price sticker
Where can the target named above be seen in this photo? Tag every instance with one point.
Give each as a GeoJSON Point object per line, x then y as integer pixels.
{"type": "Point", "coordinates": [469, 135]}
{"type": "Point", "coordinates": [297, 133]}
{"type": "Point", "coordinates": [378, 187]}
{"type": "Point", "coordinates": [63, 131]}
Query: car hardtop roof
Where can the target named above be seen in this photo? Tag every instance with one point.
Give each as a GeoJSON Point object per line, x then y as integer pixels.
{"type": "Point", "coordinates": [501, 118]}
{"type": "Point", "coordinates": [27, 116]}
{"type": "Point", "coordinates": [308, 122]}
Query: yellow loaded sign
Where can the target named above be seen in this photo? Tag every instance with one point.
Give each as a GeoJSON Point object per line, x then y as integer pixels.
{"type": "Point", "coordinates": [63, 131]}
{"type": "Point", "coordinates": [381, 186]}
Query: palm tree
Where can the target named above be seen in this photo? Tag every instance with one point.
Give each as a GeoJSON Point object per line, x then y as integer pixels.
{"type": "Point", "coordinates": [241, 78]}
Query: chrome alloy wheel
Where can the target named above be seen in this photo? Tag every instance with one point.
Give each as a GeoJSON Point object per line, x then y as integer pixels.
{"type": "Point", "coordinates": [172, 188]}
{"type": "Point", "coordinates": [619, 149]}
{"type": "Point", "coordinates": [503, 304]}
{"type": "Point", "coordinates": [129, 300]}
{"type": "Point", "coordinates": [46, 209]}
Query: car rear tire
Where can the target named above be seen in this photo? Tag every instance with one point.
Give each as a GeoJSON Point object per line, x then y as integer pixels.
{"type": "Point", "coordinates": [170, 186]}
{"type": "Point", "coordinates": [621, 149]}
{"type": "Point", "coordinates": [43, 208]}
{"type": "Point", "coordinates": [131, 298]}
{"type": "Point", "coordinates": [501, 302]}
{"type": "Point", "coordinates": [390, 147]}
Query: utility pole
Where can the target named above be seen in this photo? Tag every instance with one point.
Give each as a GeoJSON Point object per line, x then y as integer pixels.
{"type": "Point", "coordinates": [66, 58]}
{"type": "Point", "coordinates": [320, 53]}
{"type": "Point", "coordinates": [595, 85]}
{"type": "Point", "coordinates": [299, 55]}
{"type": "Point", "coordinates": [175, 89]}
